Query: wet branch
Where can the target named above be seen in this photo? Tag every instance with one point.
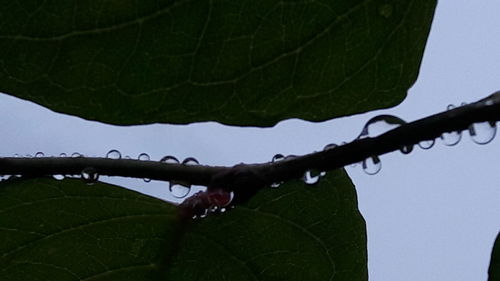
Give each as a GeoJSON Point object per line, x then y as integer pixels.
{"type": "Point", "coordinates": [256, 176]}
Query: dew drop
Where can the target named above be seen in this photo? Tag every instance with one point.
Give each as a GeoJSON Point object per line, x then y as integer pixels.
{"type": "Point", "coordinates": [406, 149]}
{"type": "Point", "coordinates": [426, 144]}
{"type": "Point", "coordinates": [311, 177]}
{"type": "Point", "coordinates": [178, 190]}
{"type": "Point", "coordinates": [330, 146]}
{"type": "Point", "coordinates": [213, 209]}
{"type": "Point", "coordinates": [190, 161]}
{"type": "Point", "coordinates": [278, 157]}
{"type": "Point", "coordinates": [17, 155]}
{"type": "Point", "coordinates": [202, 215]}
{"type": "Point", "coordinates": [114, 154]}
{"type": "Point", "coordinates": [489, 102]}
{"type": "Point", "coordinates": [58, 177]}
{"type": "Point", "coordinates": [39, 154]}
{"type": "Point", "coordinates": [276, 184]}
{"type": "Point", "coordinates": [483, 132]}
{"type": "Point", "coordinates": [143, 157]}
{"type": "Point", "coordinates": [90, 175]}
{"type": "Point", "coordinates": [372, 165]}
{"type": "Point", "coordinates": [76, 155]}
{"type": "Point", "coordinates": [451, 138]}
{"type": "Point", "coordinates": [63, 155]}
{"type": "Point", "coordinates": [450, 107]}
{"type": "Point", "coordinates": [127, 157]}
{"type": "Point", "coordinates": [379, 125]}
{"type": "Point", "coordinates": [221, 198]}
{"type": "Point", "coordinates": [169, 159]}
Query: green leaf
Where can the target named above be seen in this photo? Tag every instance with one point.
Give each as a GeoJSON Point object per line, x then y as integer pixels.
{"type": "Point", "coordinates": [66, 230]}
{"type": "Point", "coordinates": [296, 232]}
{"type": "Point", "coordinates": [69, 231]}
{"type": "Point", "coordinates": [494, 270]}
{"type": "Point", "coordinates": [237, 62]}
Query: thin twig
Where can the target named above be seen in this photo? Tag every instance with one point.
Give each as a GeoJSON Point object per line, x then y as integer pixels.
{"type": "Point", "coordinates": [262, 174]}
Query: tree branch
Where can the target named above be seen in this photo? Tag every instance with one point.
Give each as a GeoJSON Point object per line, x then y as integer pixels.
{"type": "Point", "coordinates": [256, 176]}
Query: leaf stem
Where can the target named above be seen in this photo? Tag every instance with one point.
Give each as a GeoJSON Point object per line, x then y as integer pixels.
{"type": "Point", "coordinates": [263, 174]}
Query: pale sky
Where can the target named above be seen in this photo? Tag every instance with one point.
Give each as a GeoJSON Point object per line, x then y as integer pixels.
{"type": "Point", "coordinates": [431, 215]}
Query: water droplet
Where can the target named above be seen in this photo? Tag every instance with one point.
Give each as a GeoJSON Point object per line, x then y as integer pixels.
{"type": "Point", "coordinates": [179, 190]}
{"type": "Point", "coordinates": [90, 175]}
{"type": "Point", "coordinates": [311, 177]}
{"type": "Point", "coordinates": [406, 149]}
{"type": "Point", "coordinates": [202, 215]}
{"type": "Point", "coordinates": [190, 161]}
{"type": "Point", "coordinates": [58, 177]}
{"type": "Point", "coordinates": [114, 154]}
{"type": "Point", "coordinates": [276, 184]}
{"type": "Point", "coordinates": [278, 157]}
{"type": "Point", "coordinates": [169, 159]}
{"type": "Point", "coordinates": [143, 157]}
{"type": "Point", "coordinates": [221, 198]}
{"type": "Point", "coordinates": [483, 132]}
{"type": "Point", "coordinates": [63, 155]}
{"type": "Point", "coordinates": [463, 104]}
{"type": "Point", "coordinates": [372, 165]}
{"type": "Point", "coordinates": [330, 146]}
{"type": "Point", "coordinates": [385, 10]}
{"type": "Point", "coordinates": [127, 157]}
{"type": "Point", "coordinates": [450, 107]}
{"type": "Point", "coordinates": [76, 154]}
{"type": "Point", "coordinates": [451, 138]}
{"type": "Point", "coordinates": [17, 155]}
{"type": "Point", "coordinates": [379, 125]}
{"type": "Point", "coordinates": [29, 156]}
{"type": "Point", "coordinates": [426, 144]}
{"type": "Point", "coordinates": [39, 154]}
{"type": "Point", "coordinates": [489, 102]}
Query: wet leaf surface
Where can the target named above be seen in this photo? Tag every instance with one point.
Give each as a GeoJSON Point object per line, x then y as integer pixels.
{"type": "Point", "coordinates": [66, 230]}
{"type": "Point", "coordinates": [235, 62]}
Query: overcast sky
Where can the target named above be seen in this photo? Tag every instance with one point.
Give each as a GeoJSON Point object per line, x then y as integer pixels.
{"type": "Point", "coordinates": [431, 215]}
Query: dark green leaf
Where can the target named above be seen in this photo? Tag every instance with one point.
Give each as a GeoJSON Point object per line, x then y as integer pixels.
{"type": "Point", "coordinates": [68, 231]}
{"type": "Point", "coordinates": [237, 62]}
{"type": "Point", "coordinates": [296, 232]}
{"type": "Point", "coordinates": [494, 270]}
